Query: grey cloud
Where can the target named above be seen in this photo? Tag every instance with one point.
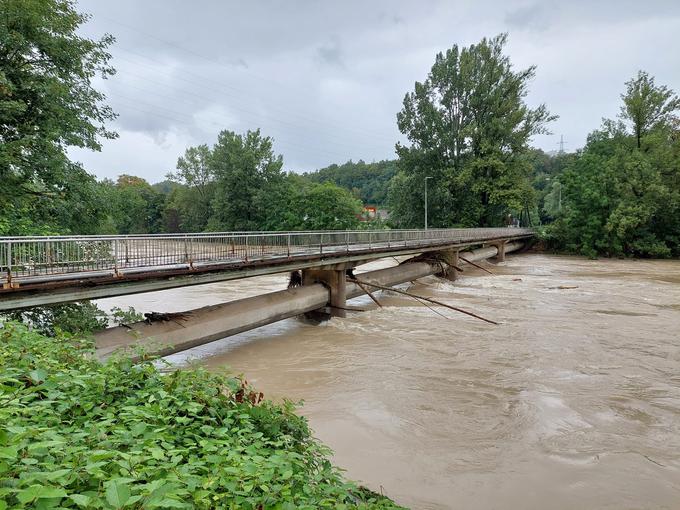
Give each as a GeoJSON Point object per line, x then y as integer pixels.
{"type": "Point", "coordinates": [331, 54]}
{"type": "Point", "coordinates": [326, 79]}
{"type": "Point", "coordinates": [530, 17]}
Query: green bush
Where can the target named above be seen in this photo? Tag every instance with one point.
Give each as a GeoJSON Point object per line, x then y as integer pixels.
{"type": "Point", "coordinates": [80, 318]}
{"type": "Point", "coordinates": [83, 317]}
{"type": "Point", "coordinates": [78, 433]}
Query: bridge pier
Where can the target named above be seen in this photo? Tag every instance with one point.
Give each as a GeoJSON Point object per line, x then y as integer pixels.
{"type": "Point", "coordinates": [500, 256]}
{"type": "Point", "coordinates": [451, 259]}
{"type": "Point", "coordinates": [334, 280]}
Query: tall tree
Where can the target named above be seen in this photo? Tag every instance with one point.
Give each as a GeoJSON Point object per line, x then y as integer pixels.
{"type": "Point", "coordinates": [469, 127]}
{"type": "Point", "coordinates": [647, 105]}
{"type": "Point", "coordinates": [618, 199]}
{"type": "Point", "coordinates": [194, 201]}
{"type": "Point", "coordinates": [47, 104]}
{"type": "Point", "coordinates": [133, 206]}
{"type": "Point", "coordinates": [245, 169]}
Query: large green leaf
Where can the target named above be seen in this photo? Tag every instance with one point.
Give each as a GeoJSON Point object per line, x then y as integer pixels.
{"type": "Point", "coordinates": [117, 494]}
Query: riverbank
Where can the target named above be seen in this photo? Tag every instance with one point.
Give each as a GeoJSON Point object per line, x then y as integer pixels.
{"type": "Point", "coordinates": [78, 433]}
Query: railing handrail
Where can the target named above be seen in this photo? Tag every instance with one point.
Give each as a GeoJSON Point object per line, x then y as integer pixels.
{"type": "Point", "coordinates": [55, 257]}
{"type": "Point", "coordinates": [252, 233]}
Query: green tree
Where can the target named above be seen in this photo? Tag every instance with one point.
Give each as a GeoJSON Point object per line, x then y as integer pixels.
{"type": "Point", "coordinates": [295, 203]}
{"type": "Point", "coordinates": [647, 106]}
{"type": "Point", "coordinates": [134, 206]}
{"type": "Point", "coordinates": [621, 195]}
{"type": "Point", "coordinates": [245, 169]}
{"type": "Point", "coordinates": [193, 201]}
{"type": "Point", "coordinates": [469, 128]}
{"type": "Point", "coordinates": [327, 207]}
{"type": "Point", "coordinates": [368, 181]}
{"type": "Point", "coordinates": [47, 104]}
{"type": "Point", "coordinates": [546, 171]}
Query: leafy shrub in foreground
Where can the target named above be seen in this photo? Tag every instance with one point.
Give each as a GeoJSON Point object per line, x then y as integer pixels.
{"type": "Point", "coordinates": [78, 433]}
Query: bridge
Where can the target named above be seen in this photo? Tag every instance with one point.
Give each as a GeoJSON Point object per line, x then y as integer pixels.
{"type": "Point", "coordinates": [46, 270]}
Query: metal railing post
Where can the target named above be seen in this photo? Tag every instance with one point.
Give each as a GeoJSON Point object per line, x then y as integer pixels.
{"type": "Point", "coordinates": [9, 264]}
{"type": "Point", "coordinates": [115, 257]}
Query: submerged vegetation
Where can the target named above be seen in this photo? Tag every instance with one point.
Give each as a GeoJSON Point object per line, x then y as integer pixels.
{"type": "Point", "coordinates": [78, 433]}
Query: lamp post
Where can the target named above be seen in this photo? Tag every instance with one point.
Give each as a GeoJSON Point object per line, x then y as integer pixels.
{"type": "Point", "coordinates": [426, 178]}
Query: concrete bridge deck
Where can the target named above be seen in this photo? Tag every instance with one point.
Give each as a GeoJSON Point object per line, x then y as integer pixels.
{"type": "Point", "coordinates": [53, 269]}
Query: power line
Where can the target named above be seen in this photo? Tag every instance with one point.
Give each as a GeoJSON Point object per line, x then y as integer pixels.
{"type": "Point", "coordinates": [196, 97]}
{"type": "Point", "coordinates": [181, 117]}
{"type": "Point", "coordinates": [217, 62]}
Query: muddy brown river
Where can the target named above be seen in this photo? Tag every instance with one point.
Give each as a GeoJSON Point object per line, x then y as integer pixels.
{"type": "Point", "coordinates": [573, 401]}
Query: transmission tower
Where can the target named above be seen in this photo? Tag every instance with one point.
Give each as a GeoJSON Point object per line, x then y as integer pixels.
{"type": "Point", "coordinates": [561, 144]}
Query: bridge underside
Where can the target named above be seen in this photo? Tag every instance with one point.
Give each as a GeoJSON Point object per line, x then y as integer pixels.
{"type": "Point", "coordinates": [35, 291]}
{"type": "Point", "coordinates": [211, 323]}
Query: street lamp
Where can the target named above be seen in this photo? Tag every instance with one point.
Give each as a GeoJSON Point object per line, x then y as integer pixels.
{"type": "Point", "coordinates": [426, 178]}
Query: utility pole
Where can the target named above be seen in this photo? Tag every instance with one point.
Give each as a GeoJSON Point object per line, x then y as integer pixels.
{"type": "Point", "coordinates": [426, 178]}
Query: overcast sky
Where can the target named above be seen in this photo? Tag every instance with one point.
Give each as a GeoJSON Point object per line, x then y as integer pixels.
{"type": "Point", "coordinates": [325, 79]}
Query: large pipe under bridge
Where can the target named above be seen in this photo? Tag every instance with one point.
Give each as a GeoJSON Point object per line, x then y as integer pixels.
{"type": "Point", "coordinates": [323, 288]}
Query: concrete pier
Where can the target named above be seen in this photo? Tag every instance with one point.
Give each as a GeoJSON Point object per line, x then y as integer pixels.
{"type": "Point", "coordinates": [334, 280]}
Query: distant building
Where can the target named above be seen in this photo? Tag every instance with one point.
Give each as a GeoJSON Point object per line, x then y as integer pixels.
{"type": "Point", "coordinates": [372, 212]}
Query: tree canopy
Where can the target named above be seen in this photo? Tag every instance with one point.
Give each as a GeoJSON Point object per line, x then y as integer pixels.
{"type": "Point", "coordinates": [621, 194]}
{"type": "Point", "coordinates": [647, 106]}
{"type": "Point", "coordinates": [367, 181]}
{"type": "Point", "coordinates": [469, 128]}
{"type": "Point", "coordinates": [238, 184]}
{"type": "Point", "coordinates": [47, 104]}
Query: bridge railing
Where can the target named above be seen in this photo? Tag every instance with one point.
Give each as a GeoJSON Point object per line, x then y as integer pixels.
{"type": "Point", "coordinates": [59, 257]}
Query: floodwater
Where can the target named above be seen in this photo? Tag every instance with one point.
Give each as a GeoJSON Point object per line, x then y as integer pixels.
{"type": "Point", "coordinates": [573, 401]}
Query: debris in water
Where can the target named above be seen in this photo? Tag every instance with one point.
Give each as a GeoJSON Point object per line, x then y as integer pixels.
{"type": "Point", "coordinates": [295, 279]}
{"type": "Point", "coordinates": [474, 264]}
{"type": "Point", "coordinates": [430, 300]}
{"type": "Point", "coordinates": [151, 317]}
